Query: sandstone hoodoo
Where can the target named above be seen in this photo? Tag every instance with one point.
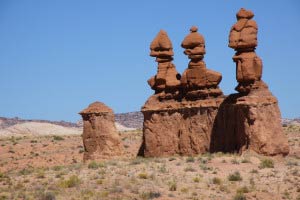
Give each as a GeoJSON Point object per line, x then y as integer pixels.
{"type": "Point", "coordinates": [180, 124]}
{"type": "Point", "coordinates": [249, 120]}
{"type": "Point", "coordinates": [243, 38]}
{"type": "Point", "coordinates": [198, 82]}
{"type": "Point", "coordinates": [167, 80]}
{"type": "Point", "coordinates": [100, 137]}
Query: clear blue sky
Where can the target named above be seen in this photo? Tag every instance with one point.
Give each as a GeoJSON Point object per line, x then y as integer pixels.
{"type": "Point", "coordinates": [57, 56]}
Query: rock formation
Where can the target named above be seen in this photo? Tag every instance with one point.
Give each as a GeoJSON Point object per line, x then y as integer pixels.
{"type": "Point", "coordinates": [249, 120]}
{"type": "Point", "coordinates": [198, 82]}
{"type": "Point", "coordinates": [167, 80]}
{"type": "Point", "coordinates": [180, 124]}
{"type": "Point", "coordinates": [243, 38]}
{"type": "Point", "coordinates": [100, 137]}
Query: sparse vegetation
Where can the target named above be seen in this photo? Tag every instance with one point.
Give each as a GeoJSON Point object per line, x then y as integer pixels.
{"type": "Point", "coordinates": [57, 138]}
{"type": "Point", "coordinates": [71, 182]}
{"type": "Point", "coordinates": [266, 163]}
{"type": "Point", "coordinates": [236, 176]}
{"type": "Point", "coordinates": [210, 176]}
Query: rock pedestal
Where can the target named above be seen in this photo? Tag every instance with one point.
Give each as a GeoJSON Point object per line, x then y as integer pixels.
{"type": "Point", "coordinates": [100, 137]}
{"type": "Point", "coordinates": [250, 123]}
{"type": "Point", "coordinates": [180, 120]}
{"type": "Point", "coordinates": [178, 128]}
{"type": "Point", "coordinates": [249, 120]}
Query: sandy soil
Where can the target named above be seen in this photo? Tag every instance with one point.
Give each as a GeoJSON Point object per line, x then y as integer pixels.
{"type": "Point", "coordinates": [51, 167]}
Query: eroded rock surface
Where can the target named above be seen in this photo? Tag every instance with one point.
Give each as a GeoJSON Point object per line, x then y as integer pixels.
{"type": "Point", "coordinates": [167, 80]}
{"type": "Point", "coordinates": [179, 117]}
{"type": "Point", "coordinates": [100, 137]}
{"type": "Point", "coordinates": [249, 120]}
{"type": "Point", "coordinates": [243, 39]}
{"type": "Point", "coordinates": [198, 82]}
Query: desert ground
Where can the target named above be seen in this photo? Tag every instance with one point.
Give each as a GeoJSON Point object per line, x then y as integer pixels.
{"type": "Point", "coordinates": [50, 167]}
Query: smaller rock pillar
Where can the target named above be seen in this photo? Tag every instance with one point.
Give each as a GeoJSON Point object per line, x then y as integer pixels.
{"type": "Point", "coordinates": [100, 137]}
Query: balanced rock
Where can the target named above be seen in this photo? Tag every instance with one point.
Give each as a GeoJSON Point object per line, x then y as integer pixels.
{"type": "Point", "coordinates": [181, 124]}
{"type": "Point", "coordinates": [197, 81]}
{"type": "Point", "coordinates": [249, 120]}
{"type": "Point", "coordinates": [243, 38]}
{"type": "Point", "coordinates": [100, 137]}
{"type": "Point", "coordinates": [167, 80]}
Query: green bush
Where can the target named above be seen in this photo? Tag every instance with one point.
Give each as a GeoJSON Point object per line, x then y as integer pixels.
{"type": "Point", "coordinates": [266, 163]}
{"type": "Point", "coordinates": [236, 176]}
{"type": "Point", "coordinates": [57, 137]}
{"type": "Point", "coordinates": [216, 181]}
{"type": "Point", "coordinates": [71, 182]}
{"type": "Point", "coordinates": [190, 159]}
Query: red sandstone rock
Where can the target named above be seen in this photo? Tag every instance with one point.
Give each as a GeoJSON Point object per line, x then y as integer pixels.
{"type": "Point", "coordinates": [167, 80]}
{"type": "Point", "coordinates": [249, 120]}
{"type": "Point", "coordinates": [243, 38]}
{"type": "Point", "coordinates": [100, 137]}
{"type": "Point", "coordinates": [178, 127]}
{"type": "Point", "coordinates": [197, 80]}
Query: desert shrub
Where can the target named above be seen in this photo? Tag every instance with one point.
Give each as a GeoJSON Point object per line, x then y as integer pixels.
{"type": "Point", "coordinates": [235, 161]}
{"type": "Point", "coordinates": [184, 190]}
{"type": "Point", "coordinates": [189, 169]}
{"type": "Point", "coordinates": [143, 175]}
{"type": "Point", "coordinates": [48, 196]}
{"type": "Point", "coordinates": [57, 137]}
{"type": "Point", "coordinates": [26, 171]}
{"type": "Point", "coordinates": [190, 159]}
{"type": "Point", "coordinates": [71, 182]}
{"type": "Point", "coordinates": [172, 185]}
{"type": "Point", "coordinates": [239, 196]}
{"type": "Point", "coordinates": [163, 168]}
{"type": "Point", "coordinates": [196, 179]}
{"type": "Point", "coordinates": [150, 195]}
{"type": "Point", "coordinates": [236, 176]}
{"type": "Point", "coordinates": [243, 189]}
{"type": "Point", "coordinates": [93, 165]}
{"type": "Point", "coordinates": [57, 168]}
{"type": "Point", "coordinates": [266, 163]}
{"type": "Point", "coordinates": [216, 181]}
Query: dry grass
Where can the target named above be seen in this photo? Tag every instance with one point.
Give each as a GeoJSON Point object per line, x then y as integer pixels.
{"type": "Point", "coordinates": [57, 172]}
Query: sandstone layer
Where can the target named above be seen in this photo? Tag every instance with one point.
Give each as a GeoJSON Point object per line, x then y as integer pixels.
{"type": "Point", "coordinates": [100, 137]}
{"type": "Point", "coordinates": [249, 120]}
{"type": "Point", "coordinates": [250, 123]}
{"type": "Point", "coordinates": [178, 128]}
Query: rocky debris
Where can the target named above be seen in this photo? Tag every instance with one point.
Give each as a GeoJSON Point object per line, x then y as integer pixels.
{"type": "Point", "coordinates": [167, 80]}
{"type": "Point", "coordinates": [100, 137]}
{"type": "Point", "coordinates": [249, 120]}
{"type": "Point", "coordinates": [243, 38]}
{"type": "Point", "coordinates": [197, 81]}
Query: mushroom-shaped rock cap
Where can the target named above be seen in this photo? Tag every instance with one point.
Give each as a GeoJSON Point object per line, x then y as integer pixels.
{"type": "Point", "coordinates": [161, 41]}
{"type": "Point", "coordinates": [96, 107]}
{"type": "Point", "coordinates": [193, 39]}
{"type": "Point", "coordinates": [243, 13]}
